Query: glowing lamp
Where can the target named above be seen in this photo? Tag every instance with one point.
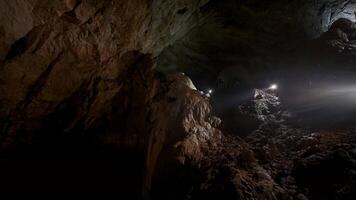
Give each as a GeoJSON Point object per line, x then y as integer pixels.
{"type": "Point", "coordinates": [273, 87]}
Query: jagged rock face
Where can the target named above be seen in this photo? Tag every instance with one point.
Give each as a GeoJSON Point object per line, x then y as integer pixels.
{"type": "Point", "coordinates": [259, 107]}
{"type": "Point", "coordinates": [340, 38]}
{"type": "Point", "coordinates": [55, 52]}
{"type": "Point", "coordinates": [78, 73]}
{"type": "Point", "coordinates": [265, 106]}
{"type": "Point", "coordinates": [153, 25]}
{"type": "Point", "coordinates": [183, 133]}
{"type": "Point", "coordinates": [320, 15]}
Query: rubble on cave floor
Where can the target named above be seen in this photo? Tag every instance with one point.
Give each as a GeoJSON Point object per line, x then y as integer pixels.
{"type": "Point", "coordinates": [278, 166]}
{"type": "Point", "coordinates": [293, 156]}
{"type": "Point", "coordinates": [278, 161]}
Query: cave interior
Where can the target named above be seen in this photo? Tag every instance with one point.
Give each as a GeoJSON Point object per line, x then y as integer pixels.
{"type": "Point", "coordinates": [178, 99]}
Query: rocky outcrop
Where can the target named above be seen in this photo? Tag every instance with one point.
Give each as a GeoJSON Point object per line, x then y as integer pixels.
{"type": "Point", "coordinates": [56, 54]}
{"type": "Point", "coordinates": [319, 15]}
{"type": "Point", "coordinates": [251, 109]}
{"type": "Point", "coordinates": [183, 132]}
{"type": "Point", "coordinates": [231, 171]}
{"type": "Point", "coordinates": [340, 38]}
{"type": "Point", "coordinates": [265, 106]}
{"type": "Point", "coordinates": [80, 75]}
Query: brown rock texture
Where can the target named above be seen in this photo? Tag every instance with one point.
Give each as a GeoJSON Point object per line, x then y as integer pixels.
{"type": "Point", "coordinates": [76, 72]}
{"type": "Point", "coordinates": [55, 52]}
{"type": "Point", "coordinates": [183, 132]}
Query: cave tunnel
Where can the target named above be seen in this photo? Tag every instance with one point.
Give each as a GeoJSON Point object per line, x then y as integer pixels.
{"type": "Point", "coordinates": [178, 99]}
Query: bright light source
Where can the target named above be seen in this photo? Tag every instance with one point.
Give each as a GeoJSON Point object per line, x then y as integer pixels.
{"type": "Point", "coordinates": [210, 91]}
{"type": "Point", "coordinates": [273, 87]}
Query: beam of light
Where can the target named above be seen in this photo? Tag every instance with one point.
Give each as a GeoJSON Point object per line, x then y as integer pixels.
{"type": "Point", "coordinates": [325, 104]}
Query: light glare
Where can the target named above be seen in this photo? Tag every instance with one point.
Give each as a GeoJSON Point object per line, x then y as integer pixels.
{"type": "Point", "coordinates": [273, 87]}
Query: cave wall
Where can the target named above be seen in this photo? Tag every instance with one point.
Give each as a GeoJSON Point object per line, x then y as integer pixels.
{"type": "Point", "coordinates": [75, 55]}
{"type": "Point", "coordinates": [252, 36]}
{"type": "Point", "coordinates": [78, 74]}
{"type": "Point", "coordinates": [60, 53]}
{"type": "Point", "coordinates": [319, 15]}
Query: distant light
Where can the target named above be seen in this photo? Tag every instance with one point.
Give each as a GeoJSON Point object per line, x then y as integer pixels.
{"type": "Point", "coordinates": [210, 91]}
{"type": "Point", "coordinates": [273, 87]}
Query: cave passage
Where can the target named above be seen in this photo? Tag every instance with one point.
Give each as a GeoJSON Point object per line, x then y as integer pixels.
{"type": "Point", "coordinates": [234, 53]}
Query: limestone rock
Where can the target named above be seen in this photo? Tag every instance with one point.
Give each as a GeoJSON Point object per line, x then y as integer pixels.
{"type": "Point", "coordinates": [55, 50]}
{"type": "Point", "coordinates": [182, 132]}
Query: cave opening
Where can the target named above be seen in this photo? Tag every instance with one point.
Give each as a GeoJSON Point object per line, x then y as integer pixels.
{"type": "Point", "coordinates": [313, 86]}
